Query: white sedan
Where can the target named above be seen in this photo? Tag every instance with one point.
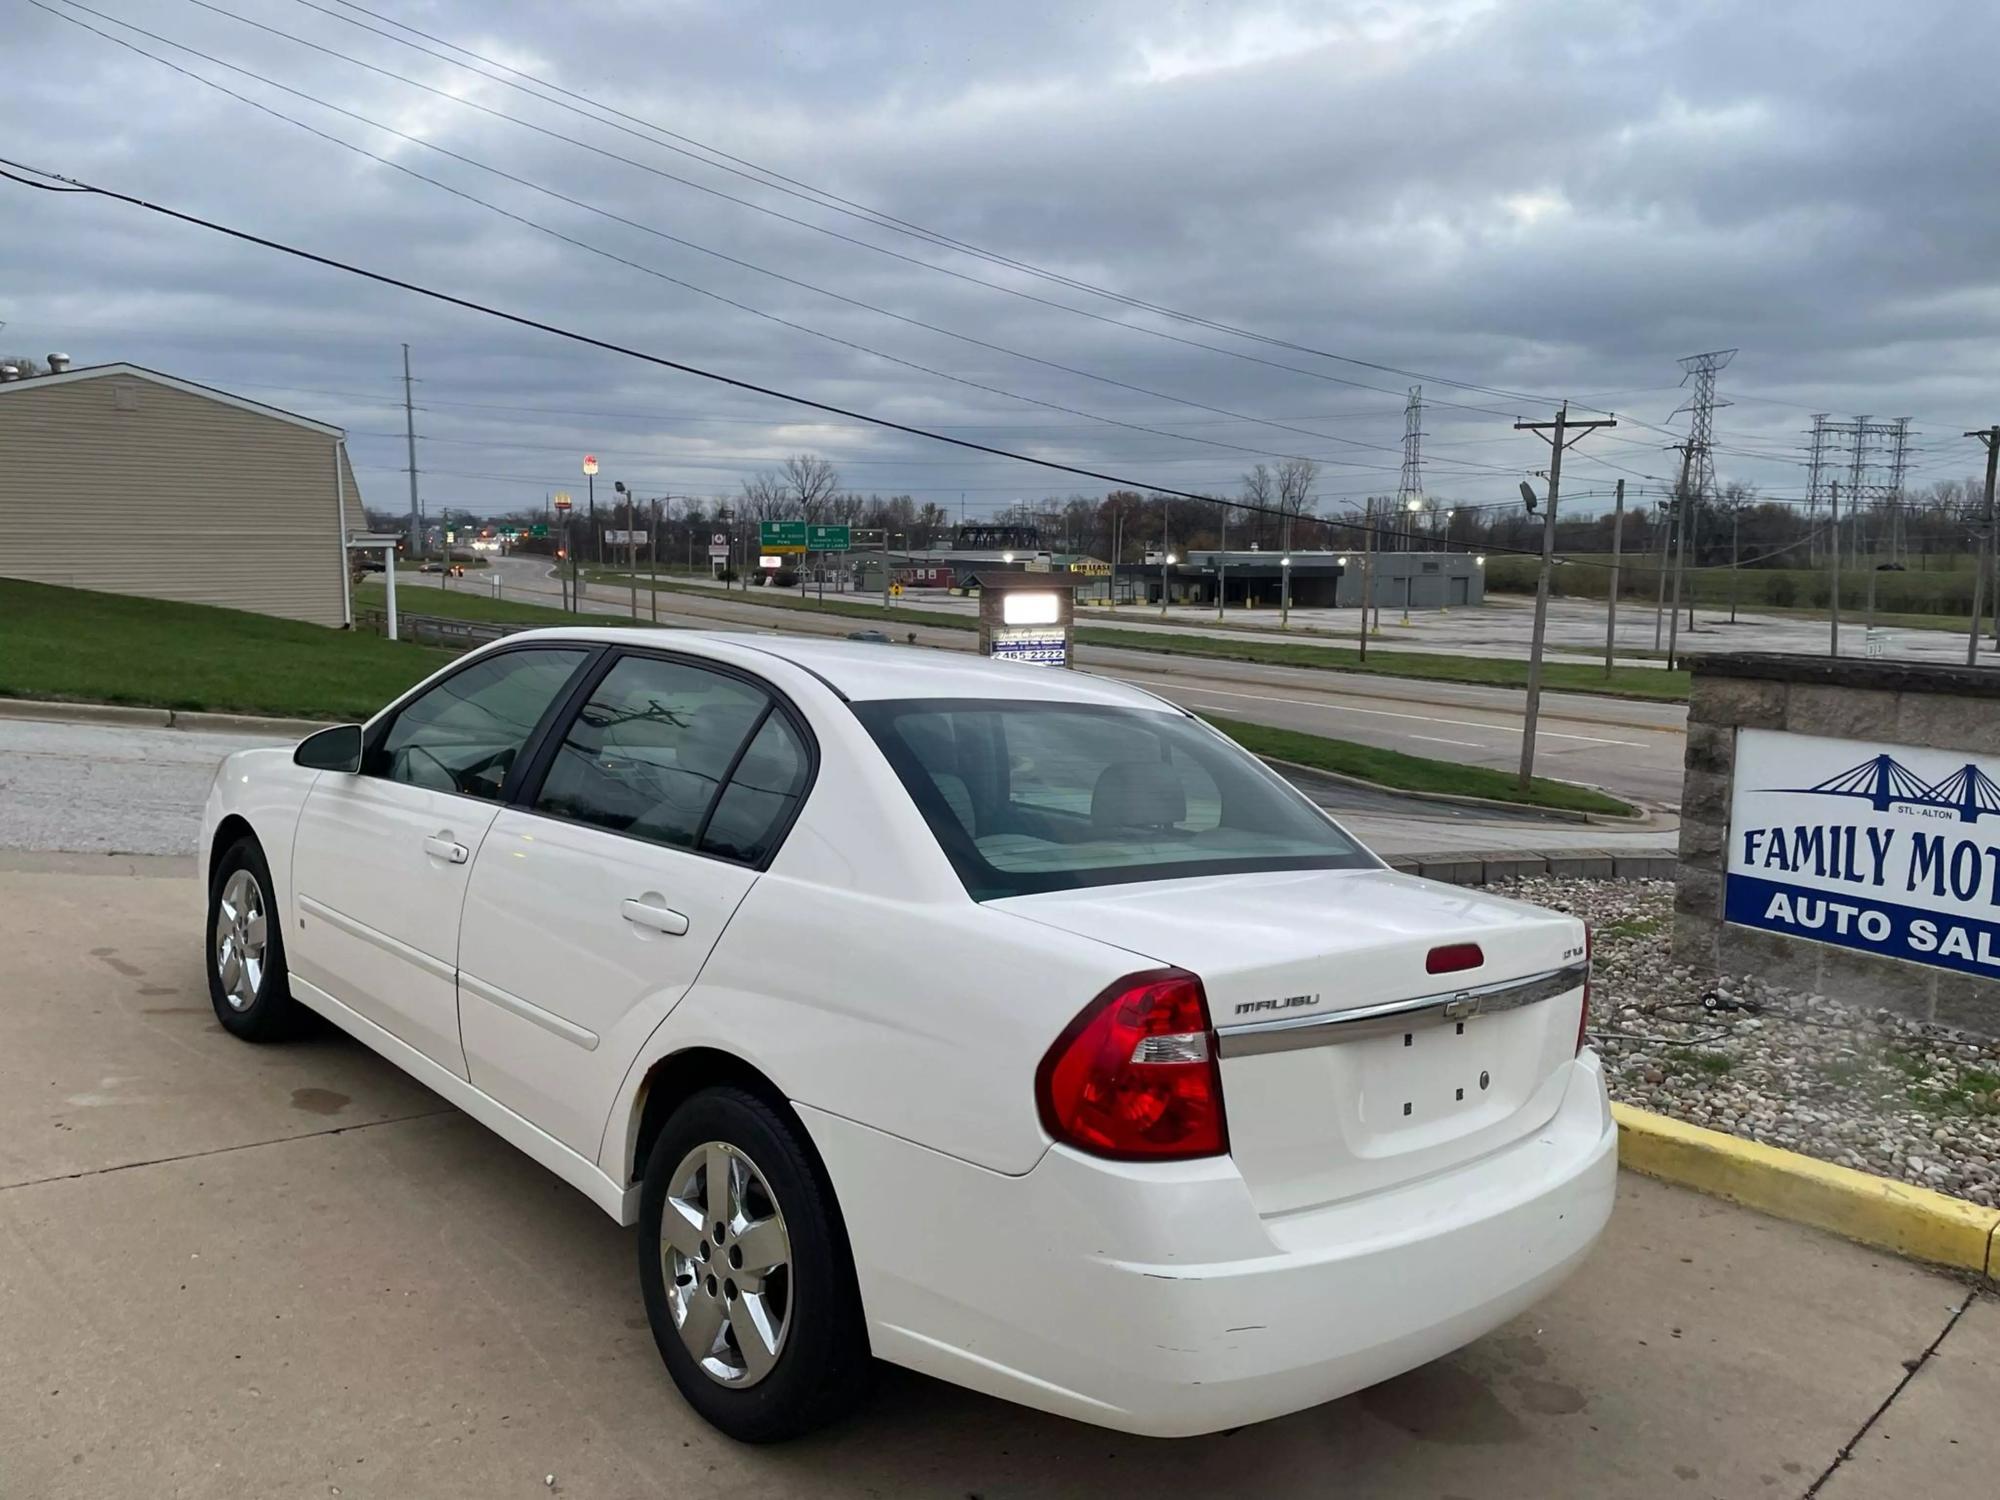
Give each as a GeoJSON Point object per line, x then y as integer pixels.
{"type": "Point", "coordinates": [1008, 1024]}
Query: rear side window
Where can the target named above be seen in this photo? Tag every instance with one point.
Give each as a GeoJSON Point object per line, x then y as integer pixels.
{"type": "Point", "coordinates": [648, 752]}
{"type": "Point", "coordinates": [1034, 796]}
{"type": "Point", "coordinates": [756, 807]}
{"type": "Point", "coordinates": [465, 734]}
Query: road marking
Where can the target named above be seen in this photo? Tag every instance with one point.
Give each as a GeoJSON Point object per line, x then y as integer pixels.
{"type": "Point", "coordinates": [1383, 713]}
{"type": "Point", "coordinates": [1432, 739]}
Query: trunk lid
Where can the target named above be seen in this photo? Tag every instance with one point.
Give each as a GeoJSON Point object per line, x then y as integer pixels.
{"type": "Point", "coordinates": [1332, 1109]}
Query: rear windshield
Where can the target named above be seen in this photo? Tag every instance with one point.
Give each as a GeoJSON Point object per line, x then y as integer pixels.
{"type": "Point", "coordinates": [1027, 797]}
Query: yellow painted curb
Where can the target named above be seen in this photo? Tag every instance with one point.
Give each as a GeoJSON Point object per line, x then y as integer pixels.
{"type": "Point", "coordinates": [1878, 1211]}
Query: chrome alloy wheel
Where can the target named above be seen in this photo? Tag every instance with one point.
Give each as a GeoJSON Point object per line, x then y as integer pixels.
{"type": "Point", "coordinates": [240, 938]}
{"type": "Point", "coordinates": [728, 1264]}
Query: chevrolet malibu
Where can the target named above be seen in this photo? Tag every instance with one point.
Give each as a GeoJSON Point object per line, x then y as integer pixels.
{"type": "Point", "coordinates": [1007, 1024]}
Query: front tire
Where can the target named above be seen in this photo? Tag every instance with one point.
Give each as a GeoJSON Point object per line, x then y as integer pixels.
{"type": "Point", "coordinates": [745, 1270]}
{"type": "Point", "coordinates": [247, 980]}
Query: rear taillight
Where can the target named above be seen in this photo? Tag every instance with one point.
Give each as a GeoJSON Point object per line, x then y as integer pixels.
{"type": "Point", "coordinates": [1134, 1076]}
{"type": "Point", "coordinates": [1583, 1011]}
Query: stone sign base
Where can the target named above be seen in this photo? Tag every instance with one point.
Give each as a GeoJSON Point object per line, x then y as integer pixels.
{"type": "Point", "coordinates": [1877, 703]}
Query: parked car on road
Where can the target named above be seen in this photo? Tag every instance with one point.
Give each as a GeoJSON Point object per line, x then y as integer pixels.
{"type": "Point", "coordinates": [1011, 1025]}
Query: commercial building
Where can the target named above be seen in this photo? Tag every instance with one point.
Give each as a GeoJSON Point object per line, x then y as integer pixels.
{"type": "Point", "coordinates": [1319, 580]}
{"type": "Point", "coordinates": [123, 479]}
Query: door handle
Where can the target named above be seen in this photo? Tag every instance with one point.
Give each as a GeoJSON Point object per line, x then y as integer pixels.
{"type": "Point", "coordinates": [659, 918]}
{"type": "Point", "coordinates": [438, 846]}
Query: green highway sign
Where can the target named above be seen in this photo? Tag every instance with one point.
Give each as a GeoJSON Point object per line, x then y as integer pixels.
{"type": "Point", "coordinates": [782, 536]}
{"type": "Point", "coordinates": [538, 529]}
{"type": "Point", "coordinates": [828, 538]}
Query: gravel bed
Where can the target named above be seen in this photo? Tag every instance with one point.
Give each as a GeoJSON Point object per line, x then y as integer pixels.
{"type": "Point", "coordinates": [1863, 1088]}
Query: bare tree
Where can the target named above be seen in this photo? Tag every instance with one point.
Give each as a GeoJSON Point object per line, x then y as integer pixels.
{"type": "Point", "coordinates": [810, 483]}
{"type": "Point", "coordinates": [1296, 479]}
{"type": "Point", "coordinates": [765, 498]}
{"type": "Point", "coordinates": [1260, 491]}
{"type": "Point", "coordinates": [27, 364]}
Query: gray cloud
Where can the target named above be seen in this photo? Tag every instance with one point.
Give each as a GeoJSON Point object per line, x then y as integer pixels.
{"type": "Point", "coordinates": [1554, 197]}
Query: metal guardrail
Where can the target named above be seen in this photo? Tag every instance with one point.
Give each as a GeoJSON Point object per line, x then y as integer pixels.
{"type": "Point", "coordinates": [437, 630]}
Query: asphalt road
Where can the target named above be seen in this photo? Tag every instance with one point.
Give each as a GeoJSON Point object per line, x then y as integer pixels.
{"type": "Point", "coordinates": [1628, 747]}
{"type": "Point", "coordinates": [233, 1271]}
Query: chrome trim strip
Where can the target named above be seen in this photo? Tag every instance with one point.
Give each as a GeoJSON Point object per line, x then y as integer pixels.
{"type": "Point", "coordinates": [1391, 1016]}
{"type": "Point", "coordinates": [527, 1010]}
{"type": "Point", "coordinates": [394, 947]}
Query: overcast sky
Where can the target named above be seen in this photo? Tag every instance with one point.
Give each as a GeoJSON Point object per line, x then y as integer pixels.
{"type": "Point", "coordinates": [1544, 199]}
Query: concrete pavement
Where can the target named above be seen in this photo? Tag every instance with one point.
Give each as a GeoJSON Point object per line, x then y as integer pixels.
{"type": "Point", "coordinates": [289, 1271]}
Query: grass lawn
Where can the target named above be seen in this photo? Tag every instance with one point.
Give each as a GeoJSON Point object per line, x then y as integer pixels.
{"type": "Point", "coordinates": [1569, 677]}
{"type": "Point", "coordinates": [1412, 773]}
{"type": "Point", "coordinates": [112, 648]}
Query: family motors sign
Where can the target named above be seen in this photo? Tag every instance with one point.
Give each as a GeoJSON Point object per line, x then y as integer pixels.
{"type": "Point", "coordinates": [1884, 848]}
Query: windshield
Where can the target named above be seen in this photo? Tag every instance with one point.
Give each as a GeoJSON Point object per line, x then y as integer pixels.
{"type": "Point", "coordinates": [1030, 796]}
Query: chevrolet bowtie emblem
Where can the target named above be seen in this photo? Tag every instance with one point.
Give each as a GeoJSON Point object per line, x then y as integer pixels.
{"type": "Point", "coordinates": [1458, 1007]}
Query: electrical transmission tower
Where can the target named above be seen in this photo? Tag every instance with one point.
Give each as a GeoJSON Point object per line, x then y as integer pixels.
{"type": "Point", "coordinates": [1410, 488]}
{"type": "Point", "coordinates": [1871, 461]}
{"type": "Point", "coordinates": [1700, 408]}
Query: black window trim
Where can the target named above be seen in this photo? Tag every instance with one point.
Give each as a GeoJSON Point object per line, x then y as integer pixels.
{"type": "Point", "coordinates": [385, 719]}
{"type": "Point", "coordinates": [550, 736]}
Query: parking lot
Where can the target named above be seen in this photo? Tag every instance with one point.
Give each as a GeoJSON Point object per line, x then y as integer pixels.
{"type": "Point", "coordinates": [237, 1271]}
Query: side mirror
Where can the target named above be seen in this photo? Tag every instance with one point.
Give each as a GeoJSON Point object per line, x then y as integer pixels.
{"type": "Point", "coordinates": [335, 749]}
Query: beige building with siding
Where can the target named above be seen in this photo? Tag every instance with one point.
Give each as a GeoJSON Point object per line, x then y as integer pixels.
{"type": "Point", "coordinates": [122, 479]}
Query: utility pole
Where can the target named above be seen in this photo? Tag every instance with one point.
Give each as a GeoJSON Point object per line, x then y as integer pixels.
{"type": "Point", "coordinates": [1285, 574]}
{"type": "Point", "coordinates": [1222, 568]}
{"type": "Point", "coordinates": [1983, 554]}
{"type": "Point", "coordinates": [1117, 518]}
{"type": "Point", "coordinates": [1617, 546]}
{"type": "Point", "coordinates": [410, 440]}
{"type": "Point", "coordinates": [1660, 570]}
{"type": "Point", "coordinates": [1555, 434]}
{"type": "Point", "coordinates": [653, 561]}
{"type": "Point", "coordinates": [1834, 489]}
{"type": "Point", "coordinates": [1682, 505]}
{"type": "Point", "coordinates": [1367, 570]}
{"type": "Point", "coordinates": [1735, 553]}
{"type": "Point", "coordinates": [1166, 555]}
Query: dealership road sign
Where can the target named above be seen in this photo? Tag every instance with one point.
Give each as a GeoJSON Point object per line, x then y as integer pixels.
{"type": "Point", "coordinates": [781, 536]}
{"type": "Point", "coordinates": [828, 538]}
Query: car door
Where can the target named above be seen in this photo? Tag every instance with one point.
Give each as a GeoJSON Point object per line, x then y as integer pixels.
{"type": "Point", "coordinates": [598, 896]}
{"type": "Point", "coordinates": [382, 856]}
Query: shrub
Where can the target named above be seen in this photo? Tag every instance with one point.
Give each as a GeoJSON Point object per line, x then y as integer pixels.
{"type": "Point", "coordinates": [1782, 591]}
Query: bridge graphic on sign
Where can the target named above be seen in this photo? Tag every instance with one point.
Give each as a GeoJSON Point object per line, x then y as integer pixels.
{"type": "Point", "coordinates": [1881, 780]}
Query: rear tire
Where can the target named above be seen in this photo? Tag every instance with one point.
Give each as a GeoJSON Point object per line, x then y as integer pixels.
{"type": "Point", "coordinates": [746, 1273]}
{"type": "Point", "coordinates": [248, 983]}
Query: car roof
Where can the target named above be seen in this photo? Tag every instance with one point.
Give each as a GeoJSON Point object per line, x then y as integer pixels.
{"type": "Point", "coordinates": [868, 670]}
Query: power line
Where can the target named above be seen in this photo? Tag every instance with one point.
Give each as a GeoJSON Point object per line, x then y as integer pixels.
{"type": "Point", "coordinates": [883, 222]}
{"type": "Point", "coordinates": [56, 182]}
{"type": "Point", "coordinates": [875, 217]}
{"type": "Point", "coordinates": [678, 281]}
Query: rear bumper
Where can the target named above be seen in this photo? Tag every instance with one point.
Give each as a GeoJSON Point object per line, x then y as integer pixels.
{"type": "Point", "coordinates": [1155, 1300]}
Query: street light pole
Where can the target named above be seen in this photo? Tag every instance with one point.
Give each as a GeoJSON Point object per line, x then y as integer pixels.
{"type": "Point", "coordinates": [1684, 503]}
{"type": "Point", "coordinates": [1617, 546]}
{"type": "Point", "coordinates": [1285, 575]}
{"type": "Point", "coordinates": [1981, 545]}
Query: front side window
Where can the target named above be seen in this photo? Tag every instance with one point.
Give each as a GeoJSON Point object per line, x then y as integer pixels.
{"type": "Point", "coordinates": [650, 750]}
{"type": "Point", "coordinates": [1028, 796]}
{"type": "Point", "coordinates": [465, 734]}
